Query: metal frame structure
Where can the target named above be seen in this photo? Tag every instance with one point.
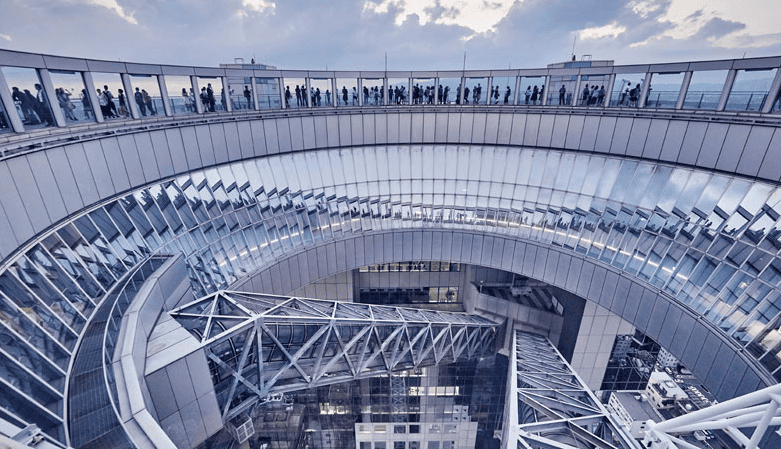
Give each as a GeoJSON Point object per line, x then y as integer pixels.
{"type": "Point", "coordinates": [555, 409]}
{"type": "Point", "coordinates": [759, 410]}
{"type": "Point", "coordinates": [259, 344]}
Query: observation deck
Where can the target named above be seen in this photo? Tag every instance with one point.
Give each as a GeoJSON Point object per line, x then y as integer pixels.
{"type": "Point", "coordinates": [660, 202]}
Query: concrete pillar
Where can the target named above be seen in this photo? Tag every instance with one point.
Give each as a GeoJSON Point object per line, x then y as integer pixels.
{"type": "Point", "coordinates": [164, 96]}
{"type": "Point", "coordinates": [130, 94]}
{"type": "Point", "coordinates": [51, 98]}
{"type": "Point", "coordinates": [196, 94]}
{"type": "Point", "coordinates": [93, 97]}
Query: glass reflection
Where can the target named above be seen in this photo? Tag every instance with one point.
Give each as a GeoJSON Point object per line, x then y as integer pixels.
{"type": "Point", "coordinates": [531, 93]}
{"type": "Point", "coordinates": [181, 97]}
{"type": "Point", "coordinates": [592, 91]}
{"type": "Point", "coordinates": [146, 96]}
{"type": "Point", "coordinates": [423, 90]}
{"type": "Point", "coordinates": [321, 94]}
{"type": "Point", "coordinates": [664, 90]}
{"type": "Point", "coordinates": [705, 89]}
{"type": "Point", "coordinates": [373, 91]}
{"type": "Point", "coordinates": [398, 91]}
{"type": "Point", "coordinates": [268, 93]}
{"type": "Point", "coordinates": [502, 90]}
{"type": "Point", "coordinates": [211, 88]}
{"type": "Point", "coordinates": [627, 90]}
{"type": "Point", "coordinates": [29, 96]}
{"type": "Point", "coordinates": [750, 89]}
{"type": "Point", "coordinates": [240, 94]}
{"type": "Point", "coordinates": [72, 96]}
{"type": "Point", "coordinates": [449, 90]}
{"type": "Point", "coordinates": [111, 106]}
{"type": "Point", "coordinates": [295, 93]}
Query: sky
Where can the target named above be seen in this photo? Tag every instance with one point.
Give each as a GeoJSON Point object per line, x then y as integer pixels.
{"type": "Point", "coordinates": [415, 34]}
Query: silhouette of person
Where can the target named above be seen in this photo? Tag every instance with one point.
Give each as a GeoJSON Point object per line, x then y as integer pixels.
{"type": "Point", "coordinates": [139, 97]}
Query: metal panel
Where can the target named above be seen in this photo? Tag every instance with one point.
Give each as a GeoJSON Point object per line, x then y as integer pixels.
{"type": "Point", "coordinates": [673, 140]}
{"type": "Point", "coordinates": [272, 140]}
{"type": "Point", "coordinates": [369, 121]}
{"type": "Point", "coordinates": [771, 165]}
{"type": "Point", "coordinates": [356, 127]}
{"type": "Point", "coordinates": [560, 125]}
{"type": "Point", "coordinates": [66, 181]}
{"type": "Point", "coordinates": [21, 199]}
{"type": "Point", "coordinates": [453, 127]}
{"type": "Point", "coordinates": [231, 131]}
{"type": "Point", "coordinates": [574, 131]}
{"type": "Point", "coordinates": [588, 139]}
{"type": "Point", "coordinates": [283, 135]}
{"type": "Point", "coordinates": [308, 132]}
{"type": "Point", "coordinates": [296, 133]}
{"type": "Point", "coordinates": [584, 281]}
{"type": "Point", "coordinates": [381, 129]}
{"type": "Point", "coordinates": [147, 156]}
{"type": "Point", "coordinates": [465, 130]}
{"type": "Point", "coordinates": [99, 169]}
{"type": "Point", "coordinates": [607, 126]}
{"type": "Point", "coordinates": [189, 143]}
{"type": "Point", "coordinates": [733, 146]}
{"type": "Point", "coordinates": [416, 130]}
{"type": "Point", "coordinates": [531, 130]}
{"type": "Point", "coordinates": [754, 151]}
{"type": "Point", "coordinates": [504, 130]}
{"type": "Point", "coordinates": [405, 127]}
{"type": "Point", "coordinates": [429, 127]}
{"type": "Point", "coordinates": [545, 132]}
{"type": "Point", "coordinates": [128, 152]}
{"type": "Point", "coordinates": [441, 135]}
{"type": "Point", "coordinates": [393, 128]}
{"type": "Point", "coordinates": [478, 127]}
{"type": "Point", "coordinates": [42, 175]}
{"type": "Point", "coordinates": [711, 144]}
{"type": "Point", "coordinates": [638, 137]}
{"type": "Point", "coordinates": [205, 145]}
{"type": "Point", "coordinates": [624, 127]}
{"type": "Point", "coordinates": [658, 315]}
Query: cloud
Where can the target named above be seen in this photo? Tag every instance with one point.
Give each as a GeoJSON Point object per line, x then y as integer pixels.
{"type": "Point", "coordinates": [114, 6]}
{"type": "Point", "coordinates": [610, 30]}
{"type": "Point", "coordinates": [256, 6]}
{"type": "Point", "coordinates": [5, 37]}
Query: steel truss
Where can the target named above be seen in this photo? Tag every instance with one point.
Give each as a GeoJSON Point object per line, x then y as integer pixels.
{"type": "Point", "coordinates": [554, 407]}
{"type": "Point", "coordinates": [258, 345]}
{"type": "Point", "coordinates": [759, 410]}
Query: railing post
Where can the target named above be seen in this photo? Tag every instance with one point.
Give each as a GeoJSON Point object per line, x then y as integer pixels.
{"type": "Point", "coordinates": [773, 93]}
{"type": "Point", "coordinates": [687, 79]}
{"type": "Point", "coordinates": [10, 108]}
{"type": "Point", "coordinates": [51, 97]}
{"type": "Point", "coordinates": [196, 94]}
{"type": "Point", "coordinates": [164, 96]}
{"type": "Point", "coordinates": [93, 97]}
{"type": "Point", "coordinates": [726, 89]}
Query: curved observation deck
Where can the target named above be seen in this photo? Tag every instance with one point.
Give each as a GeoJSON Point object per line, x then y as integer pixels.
{"type": "Point", "coordinates": [661, 205]}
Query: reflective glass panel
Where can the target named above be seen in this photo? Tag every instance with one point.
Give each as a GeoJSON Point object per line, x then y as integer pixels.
{"type": "Point", "coordinates": [5, 122]}
{"type": "Point", "coordinates": [562, 90]}
{"type": "Point", "coordinates": [112, 99]}
{"type": "Point", "coordinates": [146, 95]}
{"type": "Point", "coordinates": [398, 90]}
{"type": "Point", "coordinates": [268, 93]}
{"type": "Point", "coordinates": [529, 92]}
{"type": "Point", "coordinates": [750, 90]}
{"type": "Point", "coordinates": [449, 90]}
{"type": "Point", "coordinates": [72, 96]}
{"type": "Point", "coordinates": [664, 90]}
{"type": "Point", "coordinates": [347, 89]}
{"type": "Point", "coordinates": [240, 93]}
{"type": "Point", "coordinates": [373, 91]}
{"type": "Point", "coordinates": [423, 90]}
{"type": "Point", "coordinates": [212, 95]}
{"type": "Point", "coordinates": [503, 88]}
{"type": "Point", "coordinates": [30, 99]}
{"type": "Point", "coordinates": [592, 90]}
{"type": "Point", "coordinates": [476, 91]}
{"type": "Point", "coordinates": [321, 92]}
{"type": "Point", "coordinates": [180, 94]}
{"type": "Point", "coordinates": [705, 89]}
{"type": "Point", "coordinates": [627, 89]}
{"type": "Point", "coordinates": [295, 93]}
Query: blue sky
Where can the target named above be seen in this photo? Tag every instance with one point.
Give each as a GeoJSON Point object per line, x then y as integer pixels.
{"type": "Point", "coordinates": [416, 34]}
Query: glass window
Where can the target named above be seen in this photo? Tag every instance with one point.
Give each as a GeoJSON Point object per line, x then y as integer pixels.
{"type": "Point", "coordinates": [373, 91]}
{"type": "Point", "coordinates": [5, 122]}
{"type": "Point", "coordinates": [321, 92]}
{"type": "Point", "coordinates": [563, 90]}
{"type": "Point", "coordinates": [295, 93]}
{"type": "Point", "coordinates": [450, 88]}
{"type": "Point", "coordinates": [750, 89]}
{"type": "Point", "coordinates": [180, 94]}
{"type": "Point", "coordinates": [212, 95]}
{"type": "Point", "coordinates": [776, 102]}
{"type": "Point", "coordinates": [240, 93]}
{"type": "Point", "coordinates": [268, 93]}
{"type": "Point", "coordinates": [72, 96]}
{"type": "Point", "coordinates": [503, 90]}
{"type": "Point", "coordinates": [423, 91]}
{"type": "Point", "coordinates": [664, 90]}
{"type": "Point", "coordinates": [398, 91]}
{"type": "Point", "coordinates": [347, 92]}
{"type": "Point", "coordinates": [146, 95]}
{"type": "Point", "coordinates": [530, 90]}
{"type": "Point", "coordinates": [29, 97]}
{"type": "Point", "coordinates": [592, 91]}
{"type": "Point", "coordinates": [705, 89]}
{"type": "Point", "coordinates": [112, 106]}
{"type": "Point", "coordinates": [476, 91]}
{"type": "Point", "coordinates": [627, 89]}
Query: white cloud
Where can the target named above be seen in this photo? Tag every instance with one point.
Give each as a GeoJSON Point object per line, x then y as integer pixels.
{"type": "Point", "coordinates": [256, 6]}
{"type": "Point", "coordinates": [114, 6]}
{"type": "Point", "coordinates": [480, 16]}
{"type": "Point", "coordinates": [609, 30]}
{"type": "Point", "coordinates": [5, 37]}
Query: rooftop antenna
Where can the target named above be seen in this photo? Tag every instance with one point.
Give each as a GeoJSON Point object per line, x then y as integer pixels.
{"type": "Point", "coordinates": [574, 40]}
{"type": "Point", "coordinates": [386, 61]}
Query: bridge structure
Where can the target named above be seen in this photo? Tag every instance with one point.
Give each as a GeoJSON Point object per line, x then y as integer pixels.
{"type": "Point", "coordinates": [661, 206]}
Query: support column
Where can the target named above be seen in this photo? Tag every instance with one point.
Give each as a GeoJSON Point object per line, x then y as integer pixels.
{"type": "Point", "coordinates": [164, 96]}
{"type": "Point", "coordinates": [93, 97]}
{"type": "Point", "coordinates": [726, 89]}
{"type": "Point", "coordinates": [10, 112]}
{"type": "Point", "coordinates": [51, 98]}
{"type": "Point", "coordinates": [227, 94]}
{"type": "Point", "coordinates": [645, 90]}
{"type": "Point", "coordinates": [517, 88]}
{"type": "Point", "coordinates": [576, 92]}
{"type": "Point", "coordinates": [130, 96]}
{"type": "Point", "coordinates": [254, 86]}
{"type": "Point", "coordinates": [360, 91]}
{"type": "Point", "coordinates": [196, 94]}
{"type": "Point", "coordinates": [687, 78]}
{"type": "Point", "coordinates": [281, 82]}
{"type": "Point", "coordinates": [773, 93]}
{"type": "Point", "coordinates": [545, 92]}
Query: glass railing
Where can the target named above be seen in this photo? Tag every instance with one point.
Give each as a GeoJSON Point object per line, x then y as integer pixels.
{"type": "Point", "coordinates": [35, 98]}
